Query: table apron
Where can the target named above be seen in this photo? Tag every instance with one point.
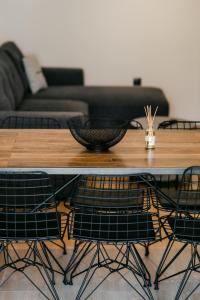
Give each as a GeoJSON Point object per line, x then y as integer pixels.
{"type": "Point", "coordinates": [106, 171]}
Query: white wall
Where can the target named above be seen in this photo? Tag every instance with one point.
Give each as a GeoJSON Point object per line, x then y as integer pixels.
{"type": "Point", "coordinates": [114, 41]}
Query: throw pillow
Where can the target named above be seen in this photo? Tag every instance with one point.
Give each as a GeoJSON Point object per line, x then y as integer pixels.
{"type": "Point", "coordinates": [34, 73]}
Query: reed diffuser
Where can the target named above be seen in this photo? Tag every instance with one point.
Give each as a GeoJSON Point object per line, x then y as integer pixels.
{"type": "Point", "coordinates": [150, 139]}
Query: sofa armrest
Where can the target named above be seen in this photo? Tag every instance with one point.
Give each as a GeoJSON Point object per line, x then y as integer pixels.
{"type": "Point", "coordinates": [63, 76]}
{"type": "Point", "coordinates": [30, 117]}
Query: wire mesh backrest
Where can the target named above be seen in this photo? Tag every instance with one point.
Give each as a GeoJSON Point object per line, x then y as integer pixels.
{"type": "Point", "coordinates": [114, 208]}
{"type": "Point", "coordinates": [25, 191]}
{"type": "Point", "coordinates": [113, 191]}
{"type": "Point", "coordinates": [15, 122]}
{"type": "Point", "coordinates": [167, 186]}
{"type": "Point", "coordinates": [169, 183]}
{"type": "Point", "coordinates": [25, 202]}
{"type": "Point", "coordinates": [185, 223]}
{"type": "Point", "coordinates": [189, 191]}
{"type": "Point", "coordinates": [179, 125]}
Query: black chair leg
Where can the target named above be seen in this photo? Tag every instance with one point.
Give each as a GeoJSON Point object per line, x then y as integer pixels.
{"type": "Point", "coordinates": [184, 280]}
{"type": "Point", "coordinates": [48, 261]}
{"type": "Point", "coordinates": [75, 260]}
{"type": "Point", "coordinates": [32, 257]}
{"type": "Point", "coordinates": [60, 269]}
{"type": "Point", "coordinates": [51, 283]}
{"type": "Point", "coordinates": [142, 273]}
{"type": "Point", "coordinates": [127, 257]}
{"type": "Point", "coordinates": [86, 280]}
{"type": "Point", "coordinates": [186, 276]}
{"type": "Point", "coordinates": [161, 264]}
{"type": "Point", "coordinates": [147, 249]}
{"type": "Point", "coordinates": [162, 267]}
{"type": "Point", "coordinates": [145, 270]}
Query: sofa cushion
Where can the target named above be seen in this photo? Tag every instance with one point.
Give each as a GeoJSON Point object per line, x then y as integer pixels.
{"type": "Point", "coordinates": [62, 105]}
{"type": "Point", "coordinates": [34, 73]}
{"type": "Point", "coordinates": [14, 84]}
{"type": "Point", "coordinates": [16, 55]}
{"type": "Point", "coordinates": [120, 102]}
{"type": "Point", "coordinates": [58, 76]}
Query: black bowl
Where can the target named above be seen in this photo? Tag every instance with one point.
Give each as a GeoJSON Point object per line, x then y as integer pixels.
{"type": "Point", "coordinates": [97, 134]}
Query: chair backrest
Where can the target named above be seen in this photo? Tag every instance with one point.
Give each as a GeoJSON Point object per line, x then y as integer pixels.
{"type": "Point", "coordinates": [113, 192]}
{"type": "Point", "coordinates": [185, 223]}
{"type": "Point", "coordinates": [189, 191]}
{"type": "Point", "coordinates": [179, 125]}
{"type": "Point", "coordinates": [21, 122]}
{"type": "Point", "coordinates": [114, 208]}
{"type": "Point", "coordinates": [169, 183]}
{"type": "Point", "coordinates": [26, 200]}
{"type": "Point", "coordinates": [25, 191]}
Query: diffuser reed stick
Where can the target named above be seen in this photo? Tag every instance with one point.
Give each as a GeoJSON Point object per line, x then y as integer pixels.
{"type": "Point", "coordinates": [150, 138]}
{"type": "Point", "coordinates": [149, 116]}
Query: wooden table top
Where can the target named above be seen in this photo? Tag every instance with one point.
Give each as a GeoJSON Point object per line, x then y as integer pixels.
{"type": "Point", "coordinates": [56, 151]}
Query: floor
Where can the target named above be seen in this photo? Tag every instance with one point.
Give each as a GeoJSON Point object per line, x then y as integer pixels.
{"type": "Point", "coordinates": [18, 288]}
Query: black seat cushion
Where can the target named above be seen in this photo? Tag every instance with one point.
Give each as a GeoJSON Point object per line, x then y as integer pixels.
{"type": "Point", "coordinates": [113, 227]}
{"type": "Point", "coordinates": [185, 229]}
{"type": "Point", "coordinates": [21, 226]}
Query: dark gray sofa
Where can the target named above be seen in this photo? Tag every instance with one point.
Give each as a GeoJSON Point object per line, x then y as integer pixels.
{"type": "Point", "coordinates": [66, 92]}
{"type": "Point", "coordinates": [15, 93]}
{"type": "Point", "coordinates": [120, 102]}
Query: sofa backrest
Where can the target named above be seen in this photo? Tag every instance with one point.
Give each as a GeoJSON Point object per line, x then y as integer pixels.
{"type": "Point", "coordinates": [12, 84]}
{"type": "Point", "coordinates": [6, 97]}
{"type": "Point", "coordinates": [16, 56]}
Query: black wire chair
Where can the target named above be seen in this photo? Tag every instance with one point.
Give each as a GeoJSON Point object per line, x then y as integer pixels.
{"type": "Point", "coordinates": [28, 215]}
{"type": "Point", "coordinates": [100, 134]}
{"type": "Point", "coordinates": [111, 210]}
{"type": "Point", "coordinates": [183, 227]}
{"type": "Point", "coordinates": [24, 122]}
{"type": "Point", "coordinates": [34, 122]}
{"type": "Point", "coordinates": [168, 184]}
{"type": "Point", "coordinates": [179, 125]}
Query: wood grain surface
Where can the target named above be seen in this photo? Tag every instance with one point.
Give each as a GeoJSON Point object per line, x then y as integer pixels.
{"type": "Point", "coordinates": [55, 149]}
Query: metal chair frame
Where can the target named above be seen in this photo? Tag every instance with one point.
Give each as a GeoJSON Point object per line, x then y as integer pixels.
{"type": "Point", "coordinates": [183, 227]}
{"type": "Point", "coordinates": [168, 184]}
{"type": "Point", "coordinates": [28, 215]}
{"type": "Point", "coordinates": [22, 122]}
{"type": "Point", "coordinates": [110, 197]}
{"type": "Point", "coordinates": [26, 122]}
{"type": "Point", "coordinates": [179, 125]}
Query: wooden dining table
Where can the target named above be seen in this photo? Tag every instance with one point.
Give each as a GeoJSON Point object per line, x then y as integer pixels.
{"type": "Point", "coordinates": [57, 152]}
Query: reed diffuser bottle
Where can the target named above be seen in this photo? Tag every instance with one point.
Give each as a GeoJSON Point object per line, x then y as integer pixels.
{"type": "Point", "coordinates": [150, 139]}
